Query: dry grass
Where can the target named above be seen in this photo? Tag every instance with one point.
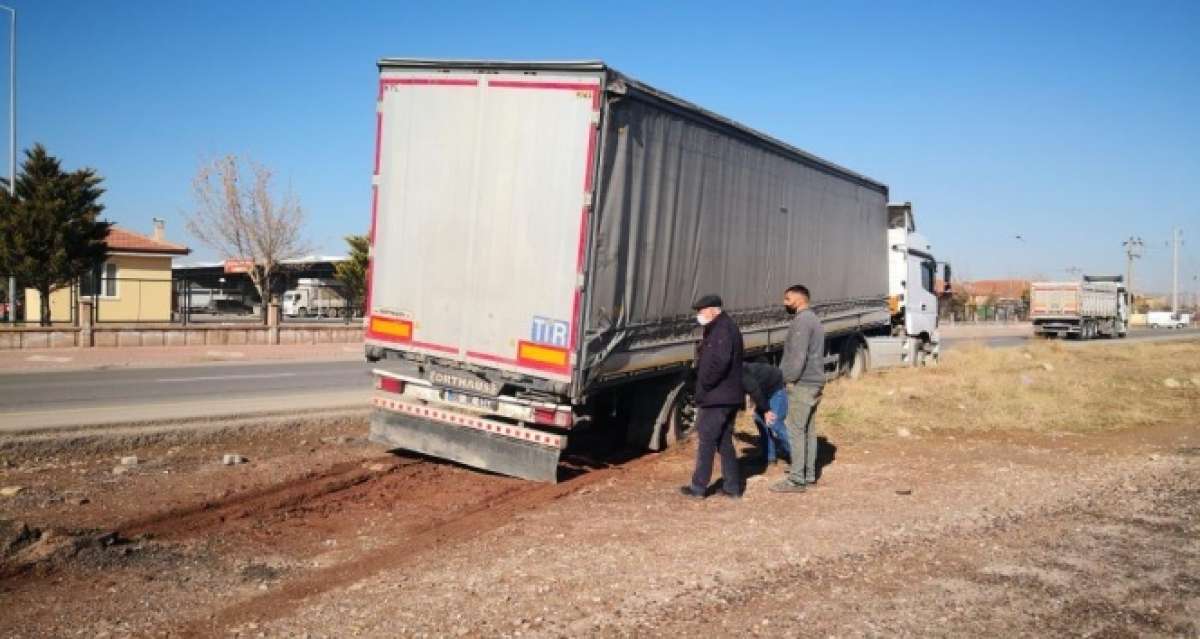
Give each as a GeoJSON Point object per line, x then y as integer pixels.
{"type": "Point", "coordinates": [1045, 387]}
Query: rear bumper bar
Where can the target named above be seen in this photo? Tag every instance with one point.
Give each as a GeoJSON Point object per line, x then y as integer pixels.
{"type": "Point", "coordinates": [480, 443]}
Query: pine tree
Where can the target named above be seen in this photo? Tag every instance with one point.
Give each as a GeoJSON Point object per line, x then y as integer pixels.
{"type": "Point", "coordinates": [353, 272]}
{"type": "Point", "coordinates": [50, 234]}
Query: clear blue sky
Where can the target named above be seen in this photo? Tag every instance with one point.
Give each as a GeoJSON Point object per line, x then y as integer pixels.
{"type": "Point", "coordinates": [1074, 125]}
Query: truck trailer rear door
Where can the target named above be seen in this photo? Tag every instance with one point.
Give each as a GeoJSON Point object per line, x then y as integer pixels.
{"type": "Point", "coordinates": [481, 204]}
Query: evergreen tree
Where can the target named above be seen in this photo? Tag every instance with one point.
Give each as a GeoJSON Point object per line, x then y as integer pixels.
{"type": "Point", "coordinates": [353, 272]}
{"type": "Point", "coordinates": [50, 234]}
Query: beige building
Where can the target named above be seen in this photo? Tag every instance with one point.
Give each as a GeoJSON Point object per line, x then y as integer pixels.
{"type": "Point", "coordinates": [133, 284]}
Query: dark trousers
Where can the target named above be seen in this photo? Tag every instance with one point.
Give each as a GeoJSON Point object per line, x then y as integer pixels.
{"type": "Point", "coordinates": [714, 428]}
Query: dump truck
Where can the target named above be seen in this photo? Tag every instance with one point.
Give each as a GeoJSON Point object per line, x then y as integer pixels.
{"type": "Point", "coordinates": [539, 231]}
{"type": "Point", "coordinates": [1096, 306]}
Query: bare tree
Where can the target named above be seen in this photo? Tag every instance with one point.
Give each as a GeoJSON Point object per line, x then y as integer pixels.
{"type": "Point", "coordinates": [247, 222]}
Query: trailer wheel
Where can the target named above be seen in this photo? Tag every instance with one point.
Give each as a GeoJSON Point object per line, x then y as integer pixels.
{"type": "Point", "coordinates": [682, 420]}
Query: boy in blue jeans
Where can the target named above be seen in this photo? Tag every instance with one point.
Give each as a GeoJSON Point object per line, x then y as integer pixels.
{"type": "Point", "coordinates": [764, 384]}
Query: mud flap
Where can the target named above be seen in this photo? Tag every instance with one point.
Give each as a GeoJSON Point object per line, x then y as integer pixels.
{"type": "Point", "coordinates": [466, 446]}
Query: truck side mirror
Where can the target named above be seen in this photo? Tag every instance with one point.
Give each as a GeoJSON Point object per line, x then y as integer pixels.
{"type": "Point", "coordinates": [946, 290]}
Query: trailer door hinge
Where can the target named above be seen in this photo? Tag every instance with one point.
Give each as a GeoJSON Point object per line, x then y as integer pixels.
{"type": "Point", "coordinates": [596, 119]}
{"type": "Point", "coordinates": [587, 199]}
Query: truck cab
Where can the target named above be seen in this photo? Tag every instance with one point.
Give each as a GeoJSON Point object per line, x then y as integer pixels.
{"type": "Point", "coordinates": [913, 288]}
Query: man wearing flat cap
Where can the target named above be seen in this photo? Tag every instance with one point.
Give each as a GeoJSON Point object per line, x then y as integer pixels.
{"type": "Point", "coordinates": [719, 395]}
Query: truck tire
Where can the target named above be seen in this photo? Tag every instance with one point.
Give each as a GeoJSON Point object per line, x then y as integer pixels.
{"type": "Point", "coordinates": [303, 312]}
{"type": "Point", "coordinates": [859, 360]}
{"type": "Point", "coordinates": [682, 418]}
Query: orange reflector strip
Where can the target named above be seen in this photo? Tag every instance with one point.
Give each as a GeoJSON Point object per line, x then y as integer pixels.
{"type": "Point", "coordinates": [528, 352]}
{"type": "Point", "coordinates": [401, 329]}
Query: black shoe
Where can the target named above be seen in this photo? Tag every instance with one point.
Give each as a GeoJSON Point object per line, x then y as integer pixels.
{"type": "Point", "coordinates": [735, 496]}
{"type": "Point", "coordinates": [687, 491]}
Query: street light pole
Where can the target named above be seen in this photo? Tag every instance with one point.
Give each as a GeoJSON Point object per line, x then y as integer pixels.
{"type": "Point", "coordinates": [12, 140]}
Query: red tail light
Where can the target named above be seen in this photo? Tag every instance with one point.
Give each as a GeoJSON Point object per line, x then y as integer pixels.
{"type": "Point", "coordinates": [552, 417]}
{"type": "Point", "coordinates": [389, 384]}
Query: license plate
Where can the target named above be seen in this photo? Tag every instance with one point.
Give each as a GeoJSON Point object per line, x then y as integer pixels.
{"type": "Point", "coordinates": [471, 400]}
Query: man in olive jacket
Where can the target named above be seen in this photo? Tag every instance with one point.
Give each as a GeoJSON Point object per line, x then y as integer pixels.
{"type": "Point", "coordinates": [719, 395]}
{"type": "Point", "coordinates": [803, 368]}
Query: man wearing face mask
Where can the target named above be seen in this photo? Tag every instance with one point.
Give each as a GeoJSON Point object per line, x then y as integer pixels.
{"type": "Point", "coordinates": [719, 395]}
{"type": "Point", "coordinates": [803, 368]}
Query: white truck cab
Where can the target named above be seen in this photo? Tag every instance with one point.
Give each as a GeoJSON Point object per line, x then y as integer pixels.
{"type": "Point", "coordinates": [913, 287]}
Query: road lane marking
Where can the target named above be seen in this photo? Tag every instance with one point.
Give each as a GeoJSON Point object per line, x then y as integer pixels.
{"type": "Point", "coordinates": [213, 378]}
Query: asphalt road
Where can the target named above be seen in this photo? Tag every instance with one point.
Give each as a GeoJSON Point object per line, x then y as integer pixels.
{"type": "Point", "coordinates": [44, 400]}
{"type": "Point", "coordinates": [1136, 335]}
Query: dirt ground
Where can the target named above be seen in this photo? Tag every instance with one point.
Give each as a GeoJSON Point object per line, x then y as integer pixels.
{"type": "Point", "coordinates": [972, 530]}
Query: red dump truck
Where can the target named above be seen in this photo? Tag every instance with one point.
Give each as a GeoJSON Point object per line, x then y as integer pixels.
{"type": "Point", "coordinates": [1096, 306]}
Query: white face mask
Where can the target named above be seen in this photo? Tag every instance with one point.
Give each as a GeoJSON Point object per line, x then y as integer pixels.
{"type": "Point", "coordinates": [701, 319]}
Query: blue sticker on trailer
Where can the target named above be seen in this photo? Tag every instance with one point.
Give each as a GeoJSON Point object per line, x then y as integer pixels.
{"type": "Point", "coordinates": [549, 331]}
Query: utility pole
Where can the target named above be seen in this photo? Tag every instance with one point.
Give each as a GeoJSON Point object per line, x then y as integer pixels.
{"type": "Point", "coordinates": [1133, 250]}
{"type": "Point", "coordinates": [1176, 240]}
{"type": "Point", "coordinates": [12, 141]}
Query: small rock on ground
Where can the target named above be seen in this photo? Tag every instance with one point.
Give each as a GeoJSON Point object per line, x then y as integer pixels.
{"type": "Point", "coordinates": [132, 460]}
{"type": "Point", "coordinates": [11, 491]}
{"type": "Point", "coordinates": [233, 460]}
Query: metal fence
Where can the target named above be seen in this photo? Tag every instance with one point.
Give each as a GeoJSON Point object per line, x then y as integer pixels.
{"type": "Point", "coordinates": [131, 300]}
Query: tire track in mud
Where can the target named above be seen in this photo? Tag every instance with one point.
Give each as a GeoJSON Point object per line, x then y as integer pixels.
{"type": "Point", "coordinates": [458, 526]}
{"type": "Point", "coordinates": [192, 520]}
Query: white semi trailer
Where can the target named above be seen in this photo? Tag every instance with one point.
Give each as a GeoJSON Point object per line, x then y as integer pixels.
{"type": "Point", "coordinates": [539, 231]}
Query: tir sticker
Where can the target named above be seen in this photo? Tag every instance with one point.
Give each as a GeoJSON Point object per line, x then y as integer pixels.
{"type": "Point", "coordinates": [549, 331]}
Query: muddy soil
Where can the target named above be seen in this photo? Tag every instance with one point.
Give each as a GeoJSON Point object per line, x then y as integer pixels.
{"type": "Point", "coordinates": [322, 534]}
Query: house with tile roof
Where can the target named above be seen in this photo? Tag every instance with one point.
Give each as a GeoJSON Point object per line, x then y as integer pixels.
{"type": "Point", "coordinates": [133, 284]}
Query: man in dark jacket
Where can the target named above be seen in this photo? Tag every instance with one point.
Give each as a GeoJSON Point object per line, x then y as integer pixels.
{"type": "Point", "coordinates": [719, 395]}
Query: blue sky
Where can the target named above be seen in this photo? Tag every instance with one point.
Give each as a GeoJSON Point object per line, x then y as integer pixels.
{"type": "Point", "coordinates": [1074, 125]}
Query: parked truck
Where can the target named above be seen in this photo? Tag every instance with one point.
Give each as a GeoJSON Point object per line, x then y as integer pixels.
{"type": "Point", "coordinates": [1096, 306]}
{"type": "Point", "coordinates": [316, 297]}
{"type": "Point", "coordinates": [539, 231]}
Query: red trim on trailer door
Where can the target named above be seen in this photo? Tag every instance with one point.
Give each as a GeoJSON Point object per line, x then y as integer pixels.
{"type": "Point", "coordinates": [378, 142]}
{"type": "Point", "coordinates": [493, 358]}
{"type": "Point", "coordinates": [547, 368]}
{"type": "Point", "coordinates": [435, 347]}
{"type": "Point", "coordinates": [439, 82]}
